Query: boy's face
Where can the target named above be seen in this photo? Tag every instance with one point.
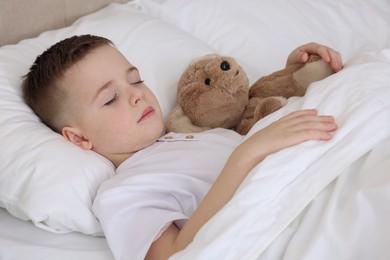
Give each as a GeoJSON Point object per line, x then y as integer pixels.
{"type": "Point", "coordinates": [114, 112]}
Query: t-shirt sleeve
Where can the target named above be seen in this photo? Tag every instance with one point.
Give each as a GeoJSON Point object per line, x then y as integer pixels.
{"type": "Point", "coordinates": [131, 221]}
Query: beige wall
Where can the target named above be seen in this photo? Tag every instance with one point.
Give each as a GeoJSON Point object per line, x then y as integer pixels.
{"type": "Point", "coordinates": [20, 19]}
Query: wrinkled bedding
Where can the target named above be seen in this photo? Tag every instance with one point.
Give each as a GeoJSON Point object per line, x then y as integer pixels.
{"type": "Point", "coordinates": [279, 189]}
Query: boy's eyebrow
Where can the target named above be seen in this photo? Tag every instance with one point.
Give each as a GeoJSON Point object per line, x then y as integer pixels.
{"type": "Point", "coordinates": [106, 85]}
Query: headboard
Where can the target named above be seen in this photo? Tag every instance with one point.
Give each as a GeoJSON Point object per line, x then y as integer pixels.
{"type": "Point", "coordinates": [21, 19]}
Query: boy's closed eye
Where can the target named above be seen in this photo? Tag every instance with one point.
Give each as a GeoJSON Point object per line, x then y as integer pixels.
{"type": "Point", "coordinates": [133, 76]}
{"type": "Point", "coordinates": [111, 101]}
{"type": "Point", "coordinates": [137, 82]}
{"type": "Point", "coordinates": [115, 97]}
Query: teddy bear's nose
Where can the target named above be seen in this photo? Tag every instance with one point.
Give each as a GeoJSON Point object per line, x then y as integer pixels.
{"type": "Point", "coordinates": [225, 65]}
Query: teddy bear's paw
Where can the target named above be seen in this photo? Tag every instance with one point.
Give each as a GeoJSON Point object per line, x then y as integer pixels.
{"type": "Point", "coordinates": [244, 126]}
{"type": "Point", "coordinates": [268, 106]}
{"type": "Point", "coordinates": [314, 70]}
{"type": "Point", "coordinates": [282, 100]}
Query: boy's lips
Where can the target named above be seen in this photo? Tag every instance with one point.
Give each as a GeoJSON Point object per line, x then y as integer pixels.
{"type": "Point", "coordinates": [149, 111]}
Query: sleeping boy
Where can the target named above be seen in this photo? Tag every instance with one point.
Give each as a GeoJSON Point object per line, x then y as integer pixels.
{"type": "Point", "coordinates": [167, 186]}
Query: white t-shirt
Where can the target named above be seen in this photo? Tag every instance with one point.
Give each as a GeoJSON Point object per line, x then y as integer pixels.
{"type": "Point", "coordinates": [158, 185]}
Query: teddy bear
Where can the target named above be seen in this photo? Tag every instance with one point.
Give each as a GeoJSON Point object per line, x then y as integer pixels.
{"type": "Point", "coordinates": [214, 92]}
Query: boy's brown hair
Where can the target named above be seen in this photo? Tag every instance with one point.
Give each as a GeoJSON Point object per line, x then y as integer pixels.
{"type": "Point", "coordinates": [40, 86]}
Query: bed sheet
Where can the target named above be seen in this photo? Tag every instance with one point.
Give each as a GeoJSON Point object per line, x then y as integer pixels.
{"type": "Point", "coordinates": [22, 240]}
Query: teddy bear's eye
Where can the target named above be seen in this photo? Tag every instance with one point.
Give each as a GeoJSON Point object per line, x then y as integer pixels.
{"type": "Point", "coordinates": [225, 65]}
{"type": "Point", "coordinates": [207, 81]}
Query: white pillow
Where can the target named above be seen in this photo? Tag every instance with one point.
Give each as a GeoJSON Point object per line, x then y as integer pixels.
{"type": "Point", "coordinates": [43, 177]}
{"type": "Point", "coordinates": [261, 34]}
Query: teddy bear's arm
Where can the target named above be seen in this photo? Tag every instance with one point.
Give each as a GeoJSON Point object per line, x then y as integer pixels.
{"type": "Point", "coordinates": [292, 80]}
{"type": "Point", "coordinates": [178, 122]}
{"type": "Point", "coordinates": [257, 109]}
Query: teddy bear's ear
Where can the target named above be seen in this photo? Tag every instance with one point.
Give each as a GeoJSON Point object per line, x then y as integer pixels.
{"type": "Point", "coordinates": [205, 57]}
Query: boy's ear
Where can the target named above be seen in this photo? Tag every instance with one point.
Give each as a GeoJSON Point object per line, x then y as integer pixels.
{"type": "Point", "coordinates": [74, 135]}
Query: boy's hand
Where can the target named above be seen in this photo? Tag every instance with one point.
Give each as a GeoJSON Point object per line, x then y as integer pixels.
{"type": "Point", "coordinates": [295, 128]}
{"type": "Point", "coordinates": [301, 55]}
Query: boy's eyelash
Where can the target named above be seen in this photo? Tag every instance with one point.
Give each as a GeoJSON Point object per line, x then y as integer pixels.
{"type": "Point", "coordinates": [138, 82]}
{"type": "Point", "coordinates": [112, 100]}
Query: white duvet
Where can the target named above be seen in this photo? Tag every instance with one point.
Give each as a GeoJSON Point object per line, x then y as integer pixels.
{"type": "Point", "coordinates": [343, 216]}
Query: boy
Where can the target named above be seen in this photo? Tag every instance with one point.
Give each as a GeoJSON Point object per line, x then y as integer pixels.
{"type": "Point", "coordinates": [166, 188]}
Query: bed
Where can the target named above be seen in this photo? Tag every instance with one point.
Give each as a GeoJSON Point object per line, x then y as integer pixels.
{"type": "Point", "coordinates": [313, 201]}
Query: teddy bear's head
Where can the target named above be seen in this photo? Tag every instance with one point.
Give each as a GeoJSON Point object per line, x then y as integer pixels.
{"type": "Point", "coordinates": [213, 91]}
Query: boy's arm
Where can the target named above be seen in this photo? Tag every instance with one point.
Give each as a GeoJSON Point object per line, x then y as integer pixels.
{"type": "Point", "coordinates": [295, 128]}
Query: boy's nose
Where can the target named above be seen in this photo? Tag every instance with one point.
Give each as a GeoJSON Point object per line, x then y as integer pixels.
{"type": "Point", "coordinates": [136, 95]}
